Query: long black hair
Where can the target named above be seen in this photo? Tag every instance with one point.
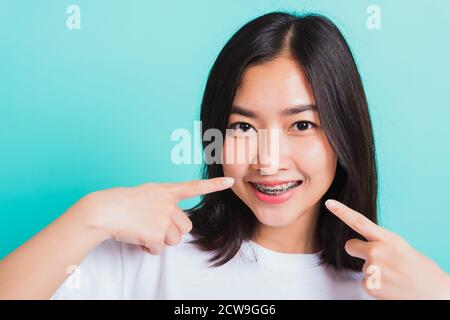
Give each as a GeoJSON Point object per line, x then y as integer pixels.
{"type": "Point", "coordinates": [221, 220]}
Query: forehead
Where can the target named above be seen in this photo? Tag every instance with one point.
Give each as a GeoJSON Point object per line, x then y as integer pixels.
{"type": "Point", "coordinates": [276, 85]}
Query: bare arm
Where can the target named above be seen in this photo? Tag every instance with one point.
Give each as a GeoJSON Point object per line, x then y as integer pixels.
{"type": "Point", "coordinates": [37, 268]}
{"type": "Point", "coordinates": [146, 215]}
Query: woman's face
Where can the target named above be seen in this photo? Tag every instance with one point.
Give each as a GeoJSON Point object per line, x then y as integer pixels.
{"type": "Point", "coordinates": [272, 96]}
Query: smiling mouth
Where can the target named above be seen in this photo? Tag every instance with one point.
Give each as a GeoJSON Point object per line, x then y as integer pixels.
{"type": "Point", "coordinates": [272, 189]}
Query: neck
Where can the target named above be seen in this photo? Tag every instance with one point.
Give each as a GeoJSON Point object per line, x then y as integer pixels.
{"type": "Point", "coordinates": [298, 237]}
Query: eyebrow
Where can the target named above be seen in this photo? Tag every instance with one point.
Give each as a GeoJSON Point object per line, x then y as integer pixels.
{"type": "Point", "coordinates": [286, 112]}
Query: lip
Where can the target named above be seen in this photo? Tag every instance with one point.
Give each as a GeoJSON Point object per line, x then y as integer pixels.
{"type": "Point", "coordinates": [274, 199]}
{"type": "Point", "coordinates": [272, 183]}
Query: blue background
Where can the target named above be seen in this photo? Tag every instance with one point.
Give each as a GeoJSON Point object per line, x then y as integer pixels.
{"type": "Point", "coordinates": [89, 109]}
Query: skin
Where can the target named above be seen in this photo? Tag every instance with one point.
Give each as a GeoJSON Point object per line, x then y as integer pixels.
{"type": "Point", "coordinates": [304, 154]}
{"type": "Point", "coordinates": [147, 215]}
{"type": "Point", "coordinates": [393, 269]}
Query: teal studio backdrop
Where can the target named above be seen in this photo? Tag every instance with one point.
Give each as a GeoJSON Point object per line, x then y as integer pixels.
{"type": "Point", "coordinates": [93, 108]}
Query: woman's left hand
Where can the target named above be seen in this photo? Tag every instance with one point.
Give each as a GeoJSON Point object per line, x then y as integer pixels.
{"type": "Point", "coordinates": [393, 269]}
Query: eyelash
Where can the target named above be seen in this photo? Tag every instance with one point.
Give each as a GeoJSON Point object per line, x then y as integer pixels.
{"type": "Point", "coordinates": [311, 124]}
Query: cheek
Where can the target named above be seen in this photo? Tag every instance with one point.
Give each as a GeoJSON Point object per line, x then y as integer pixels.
{"type": "Point", "coordinates": [230, 166]}
{"type": "Point", "coordinates": [233, 170]}
{"type": "Point", "coordinates": [237, 172]}
{"type": "Point", "coordinates": [240, 151]}
{"type": "Point", "coordinates": [237, 154]}
{"type": "Point", "coordinates": [317, 160]}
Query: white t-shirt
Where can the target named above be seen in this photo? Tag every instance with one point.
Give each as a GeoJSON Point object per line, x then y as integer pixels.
{"type": "Point", "coordinates": [116, 270]}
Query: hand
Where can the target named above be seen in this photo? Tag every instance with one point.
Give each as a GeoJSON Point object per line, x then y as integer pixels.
{"type": "Point", "coordinates": [146, 215]}
{"type": "Point", "coordinates": [392, 268]}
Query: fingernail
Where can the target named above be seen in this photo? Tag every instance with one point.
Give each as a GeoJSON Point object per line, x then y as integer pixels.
{"type": "Point", "coordinates": [331, 204]}
{"type": "Point", "coordinates": [228, 181]}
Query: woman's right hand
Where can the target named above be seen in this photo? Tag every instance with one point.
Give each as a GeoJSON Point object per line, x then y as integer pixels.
{"type": "Point", "coordinates": [146, 215]}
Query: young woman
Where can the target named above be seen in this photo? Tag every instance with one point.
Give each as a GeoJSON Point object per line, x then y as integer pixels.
{"type": "Point", "coordinates": [275, 234]}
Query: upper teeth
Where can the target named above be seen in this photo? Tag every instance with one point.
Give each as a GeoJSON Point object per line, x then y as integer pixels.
{"type": "Point", "coordinates": [278, 188]}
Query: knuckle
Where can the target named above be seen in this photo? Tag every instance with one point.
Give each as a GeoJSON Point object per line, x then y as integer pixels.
{"type": "Point", "coordinates": [178, 237]}
{"type": "Point", "coordinates": [145, 248]}
{"type": "Point", "coordinates": [157, 250]}
{"type": "Point", "coordinates": [158, 236]}
{"type": "Point", "coordinates": [175, 239]}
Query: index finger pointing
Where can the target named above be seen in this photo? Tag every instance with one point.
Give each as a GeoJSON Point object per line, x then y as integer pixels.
{"type": "Point", "coordinates": [355, 220]}
{"type": "Point", "coordinates": [195, 188]}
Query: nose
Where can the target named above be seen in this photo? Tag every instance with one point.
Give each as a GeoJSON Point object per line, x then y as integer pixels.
{"type": "Point", "coordinates": [273, 152]}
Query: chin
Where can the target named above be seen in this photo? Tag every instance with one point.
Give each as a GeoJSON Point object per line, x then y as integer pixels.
{"type": "Point", "coordinates": [275, 217]}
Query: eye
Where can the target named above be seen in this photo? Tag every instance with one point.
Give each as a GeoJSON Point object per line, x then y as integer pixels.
{"type": "Point", "coordinates": [304, 125]}
{"type": "Point", "coordinates": [242, 128]}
